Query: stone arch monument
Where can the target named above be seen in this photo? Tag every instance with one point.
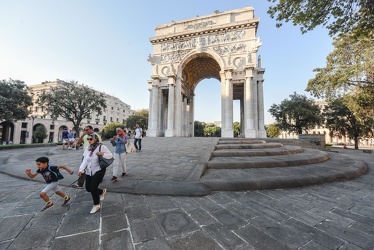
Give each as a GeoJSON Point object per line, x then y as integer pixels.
{"type": "Point", "coordinates": [223, 46]}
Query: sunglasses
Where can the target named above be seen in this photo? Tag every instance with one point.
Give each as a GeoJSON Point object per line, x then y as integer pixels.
{"type": "Point", "coordinates": [90, 139]}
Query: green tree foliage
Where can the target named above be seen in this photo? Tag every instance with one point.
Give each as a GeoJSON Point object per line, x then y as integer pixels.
{"type": "Point", "coordinates": [140, 117]}
{"type": "Point", "coordinates": [296, 114]}
{"type": "Point", "coordinates": [110, 129]}
{"type": "Point", "coordinates": [199, 129]}
{"type": "Point", "coordinates": [349, 70]}
{"type": "Point", "coordinates": [40, 133]}
{"type": "Point", "coordinates": [338, 16]}
{"type": "Point", "coordinates": [273, 130]}
{"type": "Point", "coordinates": [236, 129]}
{"type": "Point", "coordinates": [14, 100]}
{"type": "Point", "coordinates": [73, 102]}
{"type": "Point", "coordinates": [212, 130]}
{"type": "Point", "coordinates": [342, 121]}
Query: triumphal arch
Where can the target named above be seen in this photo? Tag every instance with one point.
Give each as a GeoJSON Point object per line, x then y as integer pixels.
{"type": "Point", "coordinates": [222, 46]}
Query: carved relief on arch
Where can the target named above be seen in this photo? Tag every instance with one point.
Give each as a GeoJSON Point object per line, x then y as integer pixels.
{"type": "Point", "coordinates": [165, 70]}
{"type": "Point", "coordinates": [238, 62]}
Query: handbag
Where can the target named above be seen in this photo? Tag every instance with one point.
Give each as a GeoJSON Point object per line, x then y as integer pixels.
{"type": "Point", "coordinates": [104, 162]}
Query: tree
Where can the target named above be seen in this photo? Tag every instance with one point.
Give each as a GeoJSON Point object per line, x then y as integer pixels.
{"type": "Point", "coordinates": [199, 129]}
{"type": "Point", "coordinates": [338, 16]}
{"type": "Point", "coordinates": [140, 117]}
{"type": "Point", "coordinates": [73, 102]}
{"type": "Point", "coordinates": [14, 100]}
{"type": "Point", "coordinates": [297, 114]}
{"type": "Point", "coordinates": [40, 133]}
{"type": "Point", "coordinates": [236, 129]}
{"type": "Point", "coordinates": [273, 130]}
{"type": "Point", "coordinates": [212, 130]}
{"type": "Point", "coordinates": [349, 69]}
{"type": "Point", "coordinates": [339, 119]}
{"type": "Point", "coordinates": [110, 129]}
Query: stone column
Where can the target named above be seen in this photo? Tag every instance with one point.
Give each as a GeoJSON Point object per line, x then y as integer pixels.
{"type": "Point", "coordinates": [150, 104]}
{"type": "Point", "coordinates": [241, 135]}
{"type": "Point", "coordinates": [192, 117]}
{"type": "Point", "coordinates": [170, 129]}
{"type": "Point", "coordinates": [184, 116]}
{"type": "Point", "coordinates": [152, 132]}
{"type": "Point", "coordinates": [261, 122]}
{"type": "Point", "coordinates": [249, 129]}
{"type": "Point", "coordinates": [255, 106]}
{"type": "Point", "coordinates": [178, 107]}
{"type": "Point", "coordinates": [223, 101]}
{"type": "Point", "coordinates": [228, 132]}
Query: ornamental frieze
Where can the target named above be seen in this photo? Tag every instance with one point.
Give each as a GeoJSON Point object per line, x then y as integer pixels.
{"type": "Point", "coordinates": [230, 36]}
{"type": "Point", "coordinates": [230, 49]}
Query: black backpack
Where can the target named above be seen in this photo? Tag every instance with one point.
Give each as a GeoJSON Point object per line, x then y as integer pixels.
{"type": "Point", "coordinates": [56, 173]}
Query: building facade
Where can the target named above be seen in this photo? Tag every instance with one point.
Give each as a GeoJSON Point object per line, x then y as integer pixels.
{"type": "Point", "coordinates": [22, 131]}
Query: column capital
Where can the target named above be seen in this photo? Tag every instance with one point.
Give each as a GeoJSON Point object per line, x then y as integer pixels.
{"type": "Point", "coordinates": [228, 74]}
{"type": "Point", "coordinates": [248, 72]}
{"type": "Point", "coordinates": [171, 79]}
{"type": "Point", "coordinates": [155, 81]}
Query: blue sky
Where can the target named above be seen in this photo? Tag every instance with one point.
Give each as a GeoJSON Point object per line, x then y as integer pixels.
{"type": "Point", "coordinates": [105, 44]}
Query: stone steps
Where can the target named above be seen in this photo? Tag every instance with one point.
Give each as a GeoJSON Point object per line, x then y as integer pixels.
{"type": "Point", "coordinates": [245, 164]}
{"type": "Point", "coordinates": [308, 156]}
{"type": "Point", "coordinates": [286, 150]}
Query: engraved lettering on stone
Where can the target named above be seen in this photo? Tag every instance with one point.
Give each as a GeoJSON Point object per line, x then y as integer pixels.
{"type": "Point", "coordinates": [200, 25]}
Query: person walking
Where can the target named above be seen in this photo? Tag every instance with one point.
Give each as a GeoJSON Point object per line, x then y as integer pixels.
{"type": "Point", "coordinates": [119, 141]}
{"type": "Point", "coordinates": [65, 138]}
{"type": "Point", "coordinates": [94, 174]}
{"type": "Point", "coordinates": [51, 176]}
{"type": "Point", "coordinates": [83, 138]}
{"type": "Point", "coordinates": [138, 138]}
{"type": "Point", "coordinates": [71, 139]}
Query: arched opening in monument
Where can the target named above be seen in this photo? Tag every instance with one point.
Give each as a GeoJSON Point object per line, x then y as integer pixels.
{"type": "Point", "coordinates": [200, 69]}
{"type": "Point", "coordinates": [207, 104]}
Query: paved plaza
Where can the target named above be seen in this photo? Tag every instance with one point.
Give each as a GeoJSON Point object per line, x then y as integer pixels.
{"type": "Point", "coordinates": [338, 215]}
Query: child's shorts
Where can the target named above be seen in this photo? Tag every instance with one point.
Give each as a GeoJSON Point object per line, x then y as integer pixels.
{"type": "Point", "coordinates": [53, 186]}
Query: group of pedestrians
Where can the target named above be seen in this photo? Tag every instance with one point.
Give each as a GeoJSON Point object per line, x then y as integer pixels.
{"type": "Point", "coordinates": [68, 137]}
{"type": "Point", "coordinates": [90, 173]}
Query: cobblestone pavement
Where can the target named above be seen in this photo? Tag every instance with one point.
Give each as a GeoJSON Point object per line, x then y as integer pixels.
{"type": "Point", "coordinates": [337, 215]}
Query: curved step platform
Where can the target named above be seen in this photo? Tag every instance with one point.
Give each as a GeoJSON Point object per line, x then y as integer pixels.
{"type": "Point", "coordinates": [240, 166]}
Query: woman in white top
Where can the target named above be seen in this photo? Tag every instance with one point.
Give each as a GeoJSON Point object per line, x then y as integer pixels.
{"type": "Point", "coordinates": [94, 174]}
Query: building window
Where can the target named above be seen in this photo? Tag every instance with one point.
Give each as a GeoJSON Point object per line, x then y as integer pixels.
{"type": "Point", "coordinates": [36, 109]}
{"type": "Point", "coordinates": [24, 124]}
{"type": "Point", "coordinates": [111, 119]}
{"type": "Point", "coordinates": [52, 126]}
{"type": "Point", "coordinates": [117, 119]}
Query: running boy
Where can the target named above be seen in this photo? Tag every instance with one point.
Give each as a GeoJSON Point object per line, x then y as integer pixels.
{"type": "Point", "coordinates": [51, 175]}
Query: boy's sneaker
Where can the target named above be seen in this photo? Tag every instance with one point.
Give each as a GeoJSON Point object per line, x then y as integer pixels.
{"type": "Point", "coordinates": [66, 202]}
{"type": "Point", "coordinates": [47, 206]}
{"type": "Point", "coordinates": [114, 178]}
{"type": "Point", "coordinates": [102, 196]}
{"type": "Point", "coordinates": [94, 209]}
{"type": "Point", "coordinates": [124, 174]}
